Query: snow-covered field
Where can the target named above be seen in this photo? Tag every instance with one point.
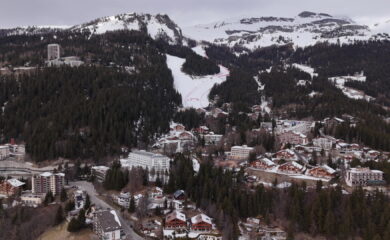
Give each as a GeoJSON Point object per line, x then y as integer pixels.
{"type": "Point", "coordinates": [194, 90]}
{"type": "Point", "coordinates": [306, 69]}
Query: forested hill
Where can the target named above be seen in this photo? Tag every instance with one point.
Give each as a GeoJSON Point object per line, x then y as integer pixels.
{"type": "Point", "coordinates": [89, 111]}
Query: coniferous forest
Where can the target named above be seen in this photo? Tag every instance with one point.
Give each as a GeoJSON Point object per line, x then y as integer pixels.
{"type": "Point", "coordinates": [315, 211]}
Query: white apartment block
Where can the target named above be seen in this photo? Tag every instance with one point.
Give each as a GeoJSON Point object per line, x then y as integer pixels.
{"type": "Point", "coordinates": [146, 160]}
{"type": "Point", "coordinates": [53, 51]}
{"type": "Point", "coordinates": [322, 142]}
{"type": "Point", "coordinates": [240, 152]}
{"type": "Point", "coordinates": [45, 182]}
{"type": "Point", "coordinates": [4, 152]}
{"type": "Point", "coordinates": [363, 176]}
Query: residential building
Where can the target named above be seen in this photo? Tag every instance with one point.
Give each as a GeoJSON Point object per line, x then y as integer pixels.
{"type": "Point", "coordinates": [363, 177]}
{"type": "Point", "coordinates": [79, 199]}
{"type": "Point", "coordinates": [175, 220]}
{"type": "Point", "coordinates": [4, 152]}
{"type": "Point", "coordinates": [322, 142]}
{"type": "Point", "coordinates": [212, 138]}
{"type": "Point", "coordinates": [293, 137]}
{"type": "Point", "coordinates": [146, 160]}
{"type": "Point", "coordinates": [45, 182]}
{"type": "Point", "coordinates": [263, 163]}
{"type": "Point", "coordinates": [179, 195]}
{"type": "Point", "coordinates": [32, 200]}
{"type": "Point", "coordinates": [11, 187]}
{"type": "Point", "coordinates": [286, 154]}
{"type": "Point", "coordinates": [201, 222]}
{"type": "Point", "coordinates": [291, 168]}
{"type": "Point", "coordinates": [106, 225]}
{"type": "Point", "coordinates": [123, 199]}
{"type": "Point", "coordinates": [53, 51]}
{"type": "Point", "coordinates": [100, 172]}
{"type": "Point", "coordinates": [322, 172]}
{"type": "Point", "coordinates": [240, 152]}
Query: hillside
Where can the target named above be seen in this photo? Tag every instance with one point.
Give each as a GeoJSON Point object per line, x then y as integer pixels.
{"type": "Point", "coordinates": [303, 30]}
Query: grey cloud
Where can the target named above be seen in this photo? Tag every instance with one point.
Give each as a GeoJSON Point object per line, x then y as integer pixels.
{"type": "Point", "coordinates": [185, 12]}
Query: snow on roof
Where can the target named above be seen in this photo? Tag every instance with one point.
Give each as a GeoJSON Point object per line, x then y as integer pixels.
{"type": "Point", "coordinates": [295, 164]}
{"type": "Point", "coordinates": [328, 169]}
{"type": "Point", "coordinates": [176, 215]}
{"type": "Point", "coordinates": [200, 218]}
{"type": "Point", "coordinates": [15, 182]}
{"type": "Point", "coordinates": [267, 161]}
{"type": "Point", "coordinates": [46, 174]}
{"type": "Point", "coordinates": [116, 217]}
{"type": "Point", "coordinates": [242, 147]}
{"type": "Point", "coordinates": [102, 168]}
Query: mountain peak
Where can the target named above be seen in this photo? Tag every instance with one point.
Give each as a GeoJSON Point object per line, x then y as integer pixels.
{"type": "Point", "coordinates": [308, 14]}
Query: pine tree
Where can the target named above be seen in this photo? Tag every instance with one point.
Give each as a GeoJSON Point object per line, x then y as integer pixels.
{"type": "Point", "coordinates": [59, 216]}
{"type": "Point", "coordinates": [132, 205]}
{"type": "Point", "coordinates": [63, 195]}
{"type": "Point", "coordinates": [87, 202]}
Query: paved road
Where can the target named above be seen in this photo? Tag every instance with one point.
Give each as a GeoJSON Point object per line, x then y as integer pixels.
{"type": "Point", "coordinates": [90, 189]}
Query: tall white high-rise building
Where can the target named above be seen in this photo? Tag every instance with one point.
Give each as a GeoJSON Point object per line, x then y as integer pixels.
{"type": "Point", "coordinates": [53, 51]}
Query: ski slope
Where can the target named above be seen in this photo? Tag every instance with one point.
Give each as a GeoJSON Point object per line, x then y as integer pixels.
{"type": "Point", "coordinates": [194, 90]}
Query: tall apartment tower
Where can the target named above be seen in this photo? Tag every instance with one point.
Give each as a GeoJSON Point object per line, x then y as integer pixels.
{"type": "Point", "coordinates": [53, 51]}
{"type": "Point", "coordinates": [45, 182]}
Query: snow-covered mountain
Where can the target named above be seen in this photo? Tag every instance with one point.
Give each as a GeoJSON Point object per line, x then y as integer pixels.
{"type": "Point", "coordinates": [157, 26]}
{"type": "Point", "coordinates": [307, 28]}
{"type": "Point", "coordinates": [303, 30]}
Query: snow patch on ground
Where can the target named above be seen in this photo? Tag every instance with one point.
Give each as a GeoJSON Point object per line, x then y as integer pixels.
{"type": "Point", "coordinates": [200, 51]}
{"type": "Point", "coordinates": [195, 165]}
{"type": "Point", "coordinates": [306, 69]}
{"type": "Point", "coordinates": [194, 90]}
{"type": "Point", "coordinates": [350, 92]}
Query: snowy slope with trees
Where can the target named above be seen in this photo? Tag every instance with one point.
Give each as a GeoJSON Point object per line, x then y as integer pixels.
{"type": "Point", "coordinates": [194, 90]}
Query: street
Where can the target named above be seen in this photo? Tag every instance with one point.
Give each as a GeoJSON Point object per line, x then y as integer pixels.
{"type": "Point", "coordinates": [90, 189]}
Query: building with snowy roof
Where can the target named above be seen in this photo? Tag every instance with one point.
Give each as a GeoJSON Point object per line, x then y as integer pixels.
{"type": "Point", "coordinates": [106, 225]}
{"type": "Point", "coordinates": [201, 222]}
{"type": "Point", "coordinates": [11, 187]}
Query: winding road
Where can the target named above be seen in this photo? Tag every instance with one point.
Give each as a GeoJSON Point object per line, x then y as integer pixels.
{"type": "Point", "coordinates": [90, 189]}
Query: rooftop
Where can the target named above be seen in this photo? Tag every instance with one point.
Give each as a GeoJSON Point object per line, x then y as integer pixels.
{"type": "Point", "coordinates": [108, 220]}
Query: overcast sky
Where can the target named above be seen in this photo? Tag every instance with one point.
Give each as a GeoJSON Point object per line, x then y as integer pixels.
{"type": "Point", "coordinates": [184, 12]}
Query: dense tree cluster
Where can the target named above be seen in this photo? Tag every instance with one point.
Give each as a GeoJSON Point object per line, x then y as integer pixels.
{"type": "Point", "coordinates": [116, 178]}
{"type": "Point", "coordinates": [88, 111]}
{"type": "Point", "coordinates": [318, 211]}
{"type": "Point", "coordinates": [199, 66]}
{"type": "Point", "coordinates": [239, 87]}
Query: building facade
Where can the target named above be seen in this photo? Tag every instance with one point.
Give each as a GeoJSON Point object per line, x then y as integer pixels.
{"type": "Point", "coordinates": [4, 152]}
{"type": "Point", "coordinates": [100, 172]}
{"type": "Point", "coordinates": [322, 142]}
{"type": "Point", "coordinates": [363, 177]}
{"type": "Point", "coordinates": [146, 160]}
{"type": "Point", "coordinates": [240, 152]}
{"type": "Point", "coordinates": [11, 187]}
{"type": "Point", "coordinates": [201, 222]}
{"type": "Point", "coordinates": [45, 182]}
{"type": "Point", "coordinates": [175, 220]}
{"type": "Point", "coordinates": [293, 138]}
{"type": "Point", "coordinates": [322, 172]}
{"type": "Point", "coordinates": [53, 51]}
